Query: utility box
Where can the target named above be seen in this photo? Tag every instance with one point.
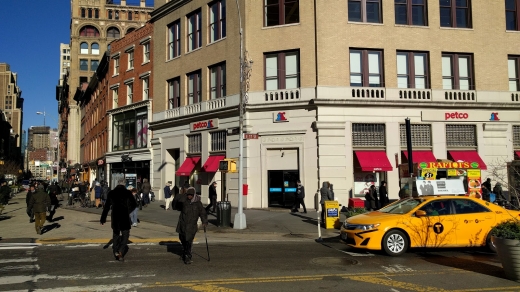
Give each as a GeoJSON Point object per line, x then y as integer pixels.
{"type": "Point", "coordinates": [355, 203]}
{"type": "Point", "coordinates": [332, 215]}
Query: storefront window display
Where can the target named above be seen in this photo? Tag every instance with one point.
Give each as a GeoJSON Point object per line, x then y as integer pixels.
{"type": "Point", "coordinates": [130, 130]}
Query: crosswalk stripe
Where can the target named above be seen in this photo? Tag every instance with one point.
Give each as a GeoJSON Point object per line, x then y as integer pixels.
{"type": "Point", "coordinates": [7, 280]}
{"type": "Point", "coordinates": [20, 268]}
{"type": "Point", "coordinates": [98, 288]}
{"type": "Point", "coordinates": [23, 260]}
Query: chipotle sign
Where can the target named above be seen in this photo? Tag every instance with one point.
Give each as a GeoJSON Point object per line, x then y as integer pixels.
{"type": "Point", "coordinates": [204, 125]}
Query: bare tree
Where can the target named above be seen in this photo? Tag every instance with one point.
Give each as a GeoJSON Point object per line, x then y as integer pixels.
{"type": "Point", "coordinates": [9, 167]}
{"type": "Point", "coordinates": [508, 175]}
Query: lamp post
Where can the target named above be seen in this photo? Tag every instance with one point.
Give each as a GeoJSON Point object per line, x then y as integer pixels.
{"type": "Point", "coordinates": [240, 217]}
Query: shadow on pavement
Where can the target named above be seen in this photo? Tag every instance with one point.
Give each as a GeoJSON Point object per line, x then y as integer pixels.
{"type": "Point", "coordinates": [2, 218]}
{"type": "Point", "coordinates": [13, 210]}
{"type": "Point", "coordinates": [174, 247]}
{"type": "Point", "coordinates": [58, 218]}
{"type": "Point", "coordinates": [48, 228]}
{"type": "Point", "coordinates": [108, 244]}
{"type": "Point", "coordinates": [307, 219]}
{"type": "Point", "coordinates": [465, 264]}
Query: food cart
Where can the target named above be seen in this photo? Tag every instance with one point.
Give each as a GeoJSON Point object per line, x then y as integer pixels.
{"type": "Point", "coordinates": [442, 177]}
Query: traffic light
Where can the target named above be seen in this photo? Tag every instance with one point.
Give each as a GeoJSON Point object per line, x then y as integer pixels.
{"type": "Point", "coordinates": [227, 165]}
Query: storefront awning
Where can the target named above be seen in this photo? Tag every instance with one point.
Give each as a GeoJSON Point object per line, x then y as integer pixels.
{"type": "Point", "coordinates": [373, 160]}
{"type": "Point", "coordinates": [468, 156]}
{"type": "Point", "coordinates": [212, 163]}
{"type": "Point", "coordinates": [517, 154]}
{"type": "Point", "coordinates": [187, 166]}
{"type": "Point", "coordinates": [421, 156]}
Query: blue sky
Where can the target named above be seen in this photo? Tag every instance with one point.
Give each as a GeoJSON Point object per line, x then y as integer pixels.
{"type": "Point", "coordinates": [30, 44]}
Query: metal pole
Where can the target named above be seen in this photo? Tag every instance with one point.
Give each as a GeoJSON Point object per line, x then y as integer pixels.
{"type": "Point", "coordinates": [409, 146]}
{"type": "Point", "coordinates": [240, 217]}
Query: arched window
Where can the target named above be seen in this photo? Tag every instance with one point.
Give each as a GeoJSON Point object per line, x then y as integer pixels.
{"type": "Point", "coordinates": [89, 31]}
{"type": "Point", "coordinates": [83, 48]}
{"type": "Point", "coordinates": [90, 13]}
{"type": "Point", "coordinates": [130, 30]}
{"type": "Point", "coordinates": [96, 13]}
{"type": "Point", "coordinates": [129, 15]}
{"type": "Point", "coordinates": [82, 12]}
{"type": "Point", "coordinates": [113, 32]}
{"type": "Point", "coordinates": [95, 49]}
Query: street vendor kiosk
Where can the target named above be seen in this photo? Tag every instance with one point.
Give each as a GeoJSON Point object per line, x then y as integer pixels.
{"type": "Point", "coordinates": [442, 177]}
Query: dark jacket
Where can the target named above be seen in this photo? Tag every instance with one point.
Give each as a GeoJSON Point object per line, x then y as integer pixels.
{"type": "Point", "coordinates": [122, 203]}
{"type": "Point", "coordinates": [383, 195]}
{"type": "Point", "coordinates": [167, 192]}
{"type": "Point", "coordinates": [5, 193]}
{"type": "Point", "coordinates": [39, 202]}
{"type": "Point", "coordinates": [54, 199]}
{"type": "Point", "coordinates": [300, 192]}
{"type": "Point", "coordinates": [190, 213]}
{"type": "Point", "coordinates": [83, 188]}
{"type": "Point", "coordinates": [98, 191]}
{"type": "Point", "coordinates": [28, 197]}
{"type": "Point", "coordinates": [326, 193]}
{"type": "Point", "coordinates": [499, 194]}
{"type": "Point", "coordinates": [104, 192]}
{"type": "Point", "coordinates": [212, 191]}
{"type": "Point", "coordinates": [487, 184]}
{"type": "Point", "coordinates": [146, 187]}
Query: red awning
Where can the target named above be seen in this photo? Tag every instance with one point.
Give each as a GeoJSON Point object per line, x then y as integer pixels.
{"type": "Point", "coordinates": [212, 163]}
{"type": "Point", "coordinates": [187, 166]}
{"type": "Point", "coordinates": [468, 156]}
{"type": "Point", "coordinates": [421, 156]}
{"type": "Point", "coordinates": [373, 160]}
{"type": "Point", "coordinates": [517, 154]}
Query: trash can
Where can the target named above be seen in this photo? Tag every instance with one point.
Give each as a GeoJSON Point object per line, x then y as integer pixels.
{"type": "Point", "coordinates": [224, 214]}
{"type": "Point", "coordinates": [332, 214]}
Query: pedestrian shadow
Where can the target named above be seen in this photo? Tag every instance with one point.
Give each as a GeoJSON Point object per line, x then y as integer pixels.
{"type": "Point", "coordinates": [13, 210]}
{"type": "Point", "coordinates": [465, 264]}
{"type": "Point", "coordinates": [306, 219]}
{"type": "Point", "coordinates": [109, 243]}
{"type": "Point", "coordinates": [174, 247]}
{"type": "Point", "coordinates": [2, 218]}
{"type": "Point", "coordinates": [48, 228]}
{"type": "Point", "coordinates": [58, 218]}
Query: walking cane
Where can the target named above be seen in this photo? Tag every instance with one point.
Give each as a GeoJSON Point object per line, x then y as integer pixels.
{"type": "Point", "coordinates": [207, 247]}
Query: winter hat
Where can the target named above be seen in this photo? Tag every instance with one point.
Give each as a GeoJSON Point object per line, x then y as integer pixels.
{"type": "Point", "coordinates": [169, 183]}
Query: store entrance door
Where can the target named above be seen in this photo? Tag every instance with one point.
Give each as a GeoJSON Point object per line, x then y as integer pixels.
{"type": "Point", "coordinates": [281, 187]}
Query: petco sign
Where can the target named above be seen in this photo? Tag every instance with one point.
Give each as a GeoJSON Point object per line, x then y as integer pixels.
{"type": "Point", "coordinates": [491, 116]}
{"type": "Point", "coordinates": [204, 125]}
{"type": "Point", "coordinates": [455, 116]}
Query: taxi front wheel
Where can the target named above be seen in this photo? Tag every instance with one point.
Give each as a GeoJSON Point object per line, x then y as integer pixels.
{"type": "Point", "coordinates": [395, 243]}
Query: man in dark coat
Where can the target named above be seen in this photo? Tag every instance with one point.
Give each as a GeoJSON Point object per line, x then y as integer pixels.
{"type": "Point", "coordinates": [53, 192]}
{"type": "Point", "coordinates": [300, 198]}
{"type": "Point", "coordinates": [122, 203]}
{"type": "Point", "coordinates": [5, 194]}
{"type": "Point", "coordinates": [383, 194]}
{"type": "Point", "coordinates": [30, 193]}
{"type": "Point", "coordinates": [212, 197]}
{"type": "Point", "coordinates": [38, 203]}
{"type": "Point", "coordinates": [145, 189]}
{"type": "Point", "coordinates": [191, 209]}
{"type": "Point", "coordinates": [487, 184]}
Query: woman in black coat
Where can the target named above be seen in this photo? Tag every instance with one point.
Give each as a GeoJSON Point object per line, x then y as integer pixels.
{"type": "Point", "coordinates": [191, 209]}
{"type": "Point", "coordinates": [383, 195]}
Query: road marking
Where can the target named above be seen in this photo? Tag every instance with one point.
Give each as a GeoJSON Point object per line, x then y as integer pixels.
{"type": "Point", "coordinates": [99, 288]}
{"type": "Point", "coordinates": [20, 268]}
{"type": "Point", "coordinates": [208, 288]}
{"type": "Point", "coordinates": [22, 279]}
{"type": "Point", "coordinates": [396, 284]}
{"type": "Point", "coordinates": [24, 260]}
{"type": "Point", "coordinates": [57, 241]}
{"type": "Point", "coordinates": [16, 247]}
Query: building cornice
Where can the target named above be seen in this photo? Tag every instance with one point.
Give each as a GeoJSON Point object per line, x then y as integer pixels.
{"type": "Point", "coordinates": [416, 104]}
{"type": "Point", "coordinates": [129, 107]}
{"type": "Point", "coordinates": [167, 9]}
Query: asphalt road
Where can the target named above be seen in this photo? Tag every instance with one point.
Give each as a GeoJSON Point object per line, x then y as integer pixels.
{"type": "Point", "coordinates": [301, 265]}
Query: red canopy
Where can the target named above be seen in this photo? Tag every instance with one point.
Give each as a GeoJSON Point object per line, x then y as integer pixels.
{"type": "Point", "coordinates": [468, 156]}
{"type": "Point", "coordinates": [373, 160]}
{"type": "Point", "coordinates": [212, 163]}
{"type": "Point", "coordinates": [421, 156]}
{"type": "Point", "coordinates": [187, 166]}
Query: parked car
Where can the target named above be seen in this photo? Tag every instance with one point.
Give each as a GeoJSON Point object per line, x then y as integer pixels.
{"type": "Point", "coordinates": [25, 184]}
{"type": "Point", "coordinates": [429, 222]}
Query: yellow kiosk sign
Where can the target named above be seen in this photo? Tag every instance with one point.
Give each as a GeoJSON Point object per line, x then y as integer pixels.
{"type": "Point", "coordinates": [332, 214]}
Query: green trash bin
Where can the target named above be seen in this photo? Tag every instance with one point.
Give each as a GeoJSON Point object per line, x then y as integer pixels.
{"type": "Point", "coordinates": [224, 214]}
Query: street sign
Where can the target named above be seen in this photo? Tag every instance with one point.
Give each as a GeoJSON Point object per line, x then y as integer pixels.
{"type": "Point", "coordinates": [249, 136]}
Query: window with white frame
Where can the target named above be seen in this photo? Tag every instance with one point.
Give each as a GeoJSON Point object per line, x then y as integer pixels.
{"type": "Point", "coordinates": [146, 52]}
{"type": "Point", "coordinates": [421, 135]}
{"type": "Point", "coordinates": [174, 100]}
{"type": "Point", "coordinates": [116, 66]}
{"type": "Point", "coordinates": [129, 93]}
{"type": "Point", "coordinates": [412, 70]}
{"type": "Point", "coordinates": [368, 135]}
{"type": "Point", "coordinates": [218, 141]}
{"type": "Point", "coordinates": [194, 87]}
{"type": "Point", "coordinates": [513, 64]}
{"type": "Point", "coordinates": [95, 49]}
{"type": "Point", "coordinates": [174, 40]}
{"type": "Point", "coordinates": [457, 71]}
{"type": "Point", "coordinates": [366, 68]}
{"type": "Point", "coordinates": [461, 135]}
{"type": "Point", "coordinates": [83, 48]}
{"type": "Point", "coordinates": [146, 88]}
{"type": "Point", "coordinates": [282, 70]}
{"type": "Point", "coordinates": [217, 20]}
{"type": "Point", "coordinates": [218, 81]}
{"type": "Point", "coordinates": [115, 95]}
{"type": "Point", "coordinates": [516, 136]}
{"type": "Point", "coordinates": [194, 30]}
{"type": "Point", "coordinates": [195, 143]}
{"type": "Point", "coordinates": [130, 59]}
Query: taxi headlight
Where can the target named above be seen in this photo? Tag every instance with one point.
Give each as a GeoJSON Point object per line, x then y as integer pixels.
{"type": "Point", "coordinates": [369, 226]}
{"type": "Point", "coordinates": [350, 226]}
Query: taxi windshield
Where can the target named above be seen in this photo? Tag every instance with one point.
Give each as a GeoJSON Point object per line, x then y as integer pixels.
{"type": "Point", "coordinates": [402, 207]}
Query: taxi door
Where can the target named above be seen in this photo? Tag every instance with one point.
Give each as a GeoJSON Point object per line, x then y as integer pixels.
{"type": "Point", "coordinates": [473, 222]}
{"type": "Point", "coordinates": [436, 229]}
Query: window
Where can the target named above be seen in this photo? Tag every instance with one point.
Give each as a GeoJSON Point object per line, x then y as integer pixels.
{"type": "Point", "coordinates": [218, 81]}
{"type": "Point", "coordinates": [129, 93]}
{"type": "Point", "coordinates": [421, 135]}
{"type": "Point", "coordinates": [457, 71]}
{"type": "Point", "coordinates": [95, 49]}
{"type": "Point", "coordinates": [83, 49]}
{"type": "Point", "coordinates": [146, 52]}
{"type": "Point", "coordinates": [83, 11]}
{"type": "Point", "coordinates": [116, 15]}
{"type": "Point", "coordinates": [195, 143]}
{"type": "Point", "coordinates": [437, 208]}
{"type": "Point", "coordinates": [194, 33]}
{"type": "Point", "coordinates": [366, 68]}
{"type": "Point", "coordinates": [279, 12]}
{"type": "Point", "coordinates": [96, 13]}
{"type": "Point", "coordinates": [461, 135]}
{"type": "Point", "coordinates": [90, 13]}
{"type": "Point", "coordinates": [516, 136]}
{"type": "Point", "coordinates": [129, 15]}
{"type": "Point", "coordinates": [110, 14]}
{"type": "Point", "coordinates": [218, 141]}
{"type": "Point", "coordinates": [83, 64]}
{"type": "Point", "coordinates": [174, 40]}
{"type": "Point", "coordinates": [115, 94]}
{"type": "Point", "coordinates": [368, 135]}
{"type": "Point", "coordinates": [463, 206]}
{"type": "Point", "coordinates": [365, 11]}
{"type": "Point", "coordinates": [89, 31]}
{"type": "Point", "coordinates": [411, 12]}
{"type": "Point", "coordinates": [513, 64]}
{"type": "Point", "coordinates": [145, 88]}
{"type": "Point", "coordinates": [94, 65]}
{"type": "Point", "coordinates": [116, 66]}
{"type": "Point", "coordinates": [512, 14]}
{"type": "Point", "coordinates": [282, 70]}
{"type": "Point", "coordinates": [455, 13]}
{"type": "Point", "coordinates": [174, 97]}
{"type": "Point", "coordinates": [412, 70]}
{"type": "Point", "coordinates": [217, 20]}
{"type": "Point", "coordinates": [113, 32]}
{"type": "Point", "coordinates": [194, 87]}
{"type": "Point", "coordinates": [130, 60]}
{"type": "Point", "coordinates": [130, 129]}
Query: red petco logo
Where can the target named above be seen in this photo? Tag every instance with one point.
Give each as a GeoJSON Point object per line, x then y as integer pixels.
{"type": "Point", "coordinates": [455, 116]}
{"type": "Point", "coordinates": [209, 124]}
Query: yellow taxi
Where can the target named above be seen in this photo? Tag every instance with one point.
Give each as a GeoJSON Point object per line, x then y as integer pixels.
{"type": "Point", "coordinates": [426, 221]}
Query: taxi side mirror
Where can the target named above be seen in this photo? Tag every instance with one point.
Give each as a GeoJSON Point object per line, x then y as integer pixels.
{"type": "Point", "coordinates": [420, 213]}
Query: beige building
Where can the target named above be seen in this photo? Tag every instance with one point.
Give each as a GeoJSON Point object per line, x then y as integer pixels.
{"type": "Point", "coordinates": [330, 88]}
{"type": "Point", "coordinates": [11, 105]}
{"type": "Point", "coordinates": [64, 61]}
{"type": "Point", "coordinates": [94, 24]}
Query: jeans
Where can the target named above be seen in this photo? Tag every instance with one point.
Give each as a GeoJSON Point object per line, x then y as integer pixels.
{"type": "Point", "coordinates": [133, 215]}
{"type": "Point", "coordinates": [120, 240]}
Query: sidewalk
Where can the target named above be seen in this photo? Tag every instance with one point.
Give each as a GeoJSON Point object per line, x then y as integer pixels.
{"type": "Point", "coordinates": [75, 225]}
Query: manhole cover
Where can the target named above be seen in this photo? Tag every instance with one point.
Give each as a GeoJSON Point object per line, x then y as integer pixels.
{"type": "Point", "coordinates": [58, 239]}
{"type": "Point", "coordinates": [333, 261]}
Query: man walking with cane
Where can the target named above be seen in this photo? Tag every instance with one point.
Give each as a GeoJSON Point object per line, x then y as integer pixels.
{"type": "Point", "coordinates": [191, 209]}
